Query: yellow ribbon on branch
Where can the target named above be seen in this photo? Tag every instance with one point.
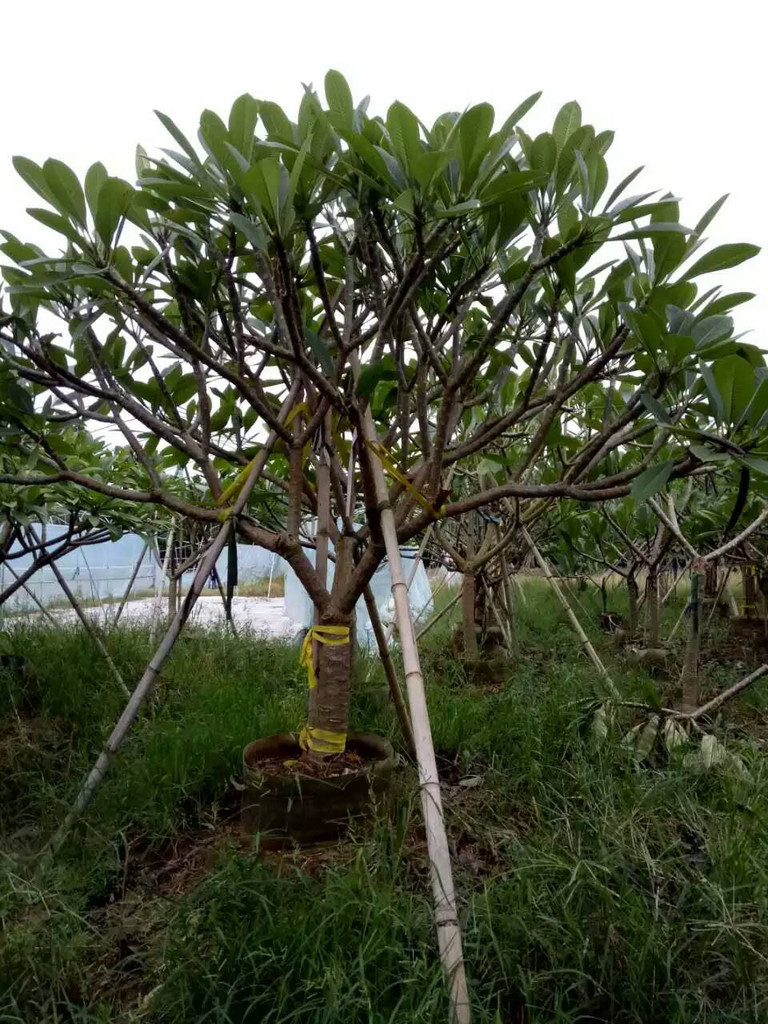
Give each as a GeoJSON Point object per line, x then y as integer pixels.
{"type": "Point", "coordinates": [230, 493]}
{"type": "Point", "coordinates": [391, 470]}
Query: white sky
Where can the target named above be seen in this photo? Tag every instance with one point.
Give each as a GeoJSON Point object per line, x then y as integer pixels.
{"type": "Point", "coordinates": [682, 83]}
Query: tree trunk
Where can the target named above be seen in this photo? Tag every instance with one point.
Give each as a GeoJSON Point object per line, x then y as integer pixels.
{"type": "Point", "coordinates": [633, 592]}
{"type": "Point", "coordinates": [690, 676]}
{"type": "Point", "coordinates": [468, 615]}
{"type": "Point", "coordinates": [329, 699]}
{"type": "Point", "coordinates": [652, 599]}
{"type": "Point", "coordinates": [711, 581]}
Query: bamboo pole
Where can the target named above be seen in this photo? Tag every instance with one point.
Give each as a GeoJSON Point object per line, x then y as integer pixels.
{"type": "Point", "coordinates": [411, 578]}
{"type": "Point", "coordinates": [496, 615]}
{"type": "Point", "coordinates": [435, 593]}
{"type": "Point", "coordinates": [732, 691]}
{"type": "Point", "coordinates": [718, 596]}
{"type": "Point", "coordinates": [87, 624]}
{"type": "Point", "coordinates": [676, 626]}
{"type": "Point", "coordinates": [585, 642]}
{"type": "Point", "coordinates": [690, 675]}
{"type": "Point", "coordinates": [389, 668]}
{"type": "Point", "coordinates": [163, 575]}
{"type": "Point", "coordinates": [131, 581]}
{"type": "Point", "coordinates": [446, 915]}
{"type": "Point", "coordinates": [33, 595]}
{"type": "Point", "coordinates": [436, 618]}
{"type": "Point", "coordinates": [144, 686]}
{"type": "Point", "coordinates": [674, 586]}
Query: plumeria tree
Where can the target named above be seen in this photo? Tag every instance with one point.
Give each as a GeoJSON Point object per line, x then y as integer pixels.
{"type": "Point", "coordinates": [324, 296]}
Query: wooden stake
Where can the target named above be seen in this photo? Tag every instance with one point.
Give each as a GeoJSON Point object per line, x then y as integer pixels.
{"type": "Point", "coordinates": [436, 618]}
{"type": "Point", "coordinates": [591, 652]}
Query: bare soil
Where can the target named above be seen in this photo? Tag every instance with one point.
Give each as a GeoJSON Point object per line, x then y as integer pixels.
{"type": "Point", "coordinates": [348, 763]}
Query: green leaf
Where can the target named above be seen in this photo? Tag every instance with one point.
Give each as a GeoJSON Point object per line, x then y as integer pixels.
{"type": "Point", "coordinates": [321, 349]}
{"type": "Point", "coordinates": [114, 199]}
{"type": "Point", "coordinates": [339, 97]}
{"type": "Point", "coordinates": [242, 124]}
{"type": "Point", "coordinates": [65, 189]}
{"type": "Point", "coordinates": [185, 388]}
{"type": "Point", "coordinates": [567, 121]}
{"type": "Point", "coordinates": [758, 464]}
{"type": "Point", "coordinates": [57, 223]}
{"type": "Point", "coordinates": [370, 376]}
{"type": "Point", "coordinates": [520, 111]}
{"type": "Point", "coordinates": [251, 229]}
{"type": "Point", "coordinates": [403, 129]}
{"type": "Point", "coordinates": [668, 248]}
{"type": "Point", "coordinates": [651, 481]}
{"type": "Point", "coordinates": [179, 137]}
{"type": "Point", "coordinates": [95, 177]}
{"type": "Point", "coordinates": [735, 381]}
{"type": "Point", "coordinates": [656, 409]}
{"type": "Point", "coordinates": [705, 454]}
{"type": "Point", "coordinates": [475, 126]}
{"type": "Point", "coordinates": [544, 153]}
{"type": "Point", "coordinates": [723, 257]}
{"type": "Point", "coordinates": [709, 216]}
{"type": "Point", "coordinates": [650, 230]}
{"type": "Point", "coordinates": [726, 302]}
{"type": "Point", "coordinates": [678, 347]}
{"type": "Point", "coordinates": [34, 177]}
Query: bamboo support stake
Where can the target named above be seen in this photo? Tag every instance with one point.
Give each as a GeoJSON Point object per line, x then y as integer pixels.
{"type": "Point", "coordinates": [446, 915]}
{"type": "Point", "coordinates": [435, 593]}
{"type": "Point", "coordinates": [34, 596]}
{"type": "Point", "coordinates": [88, 625]}
{"type": "Point", "coordinates": [718, 596]}
{"type": "Point", "coordinates": [101, 767]}
{"type": "Point", "coordinates": [520, 588]}
{"type": "Point", "coordinates": [585, 642]}
{"type": "Point", "coordinates": [732, 691]}
{"type": "Point", "coordinates": [496, 614]}
{"type": "Point", "coordinates": [163, 575]}
{"type": "Point", "coordinates": [436, 618]}
{"type": "Point", "coordinates": [389, 668]}
{"type": "Point", "coordinates": [674, 586]}
{"type": "Point", "coordinates": [131, 581]}
{"type": "Point", "coordinates": [412, 577]}
{"type": "Point", "coordinates": [676, 626]}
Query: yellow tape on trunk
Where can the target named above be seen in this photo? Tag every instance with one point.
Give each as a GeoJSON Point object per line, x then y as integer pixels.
{"type": "Point", "coordinates": [322, 741]}
{"type": "Point", "coordinates": [332, 636]}
{"type": "Point", "coordinates": [391, 469]}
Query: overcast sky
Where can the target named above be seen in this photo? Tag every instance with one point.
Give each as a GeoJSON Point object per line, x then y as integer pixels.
{"type": "Point", "coordinates": [683, 84]}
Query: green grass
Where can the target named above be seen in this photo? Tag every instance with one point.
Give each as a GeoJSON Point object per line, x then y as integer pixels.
{"type": "Point", "coordinates": [591, 889]}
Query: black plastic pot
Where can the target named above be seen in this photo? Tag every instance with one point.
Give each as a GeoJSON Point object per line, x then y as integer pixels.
{"type": "Point", "coordinates": [287, 809]}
